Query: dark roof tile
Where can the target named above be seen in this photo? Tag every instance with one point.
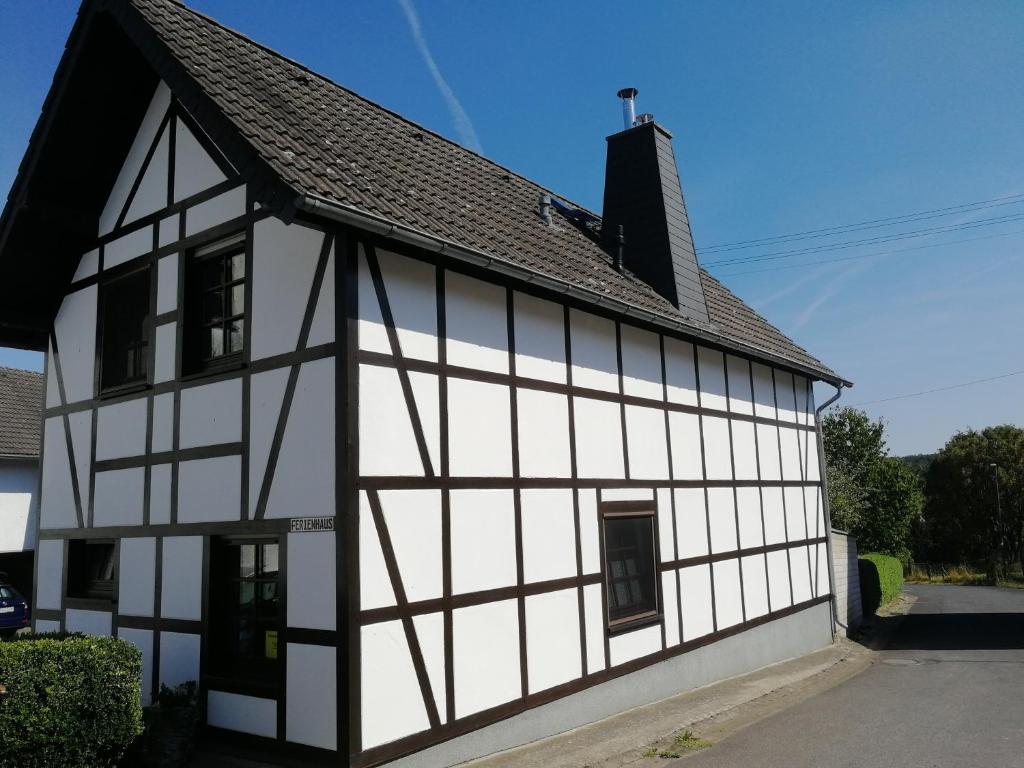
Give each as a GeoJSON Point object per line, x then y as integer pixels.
{"type": "Point", "coordinates": [21, 403]}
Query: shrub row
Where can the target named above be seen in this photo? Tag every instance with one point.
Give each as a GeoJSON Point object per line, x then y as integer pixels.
{"type": "Point", "coordinates": [881, 580]}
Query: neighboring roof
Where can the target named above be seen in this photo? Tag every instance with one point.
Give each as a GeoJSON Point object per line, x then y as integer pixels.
{"type": "Point", "coordinates": [292, 132]}
{"type": "Point", "coordinates": [21, 409]}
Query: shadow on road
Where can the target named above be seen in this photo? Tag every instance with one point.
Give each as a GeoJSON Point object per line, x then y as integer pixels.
{"type": "Point", "coordinates": [951, 631]}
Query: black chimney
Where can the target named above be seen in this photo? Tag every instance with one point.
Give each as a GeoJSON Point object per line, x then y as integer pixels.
{"type": "Point", "coordinates": [642, 195]}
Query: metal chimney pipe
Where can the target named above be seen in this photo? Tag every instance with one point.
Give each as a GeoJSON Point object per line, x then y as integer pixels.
{"type": "Point", "coordinates": [628, 106]}
{"type": "Point", "coordinates": [545, 208]}
{"type": "Point", "coordinates": [620, 251]}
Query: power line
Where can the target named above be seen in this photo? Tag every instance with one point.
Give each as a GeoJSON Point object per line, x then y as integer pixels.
{"type": "Point", "coordinates": [869, 224]}
{"type": "Point", "coordinates": [939, 389]}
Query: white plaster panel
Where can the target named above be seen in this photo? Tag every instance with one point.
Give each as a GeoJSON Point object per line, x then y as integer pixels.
{"type": "Point", "coordinates": [57, 508]}
{"type": "Point", "coordinates": [43, 626]}
{"type": "Point", "coordinates": [594, 358]}
{"type": "Point", "coordinates": [49, 573]}
{"type": "Point", "coordinates": [88, 622]}
{"type": "Point", "coordinates": [800, 384]}
{"type": "Point", "coordinates": [482, 539]}
{"type": "Point", "coordinates": [815, 511]}
{"type": "Point", "coordinates": [129, 171]}
{"type": "Point", "coordinates": [598, 438]}
{"type": "Point", "coordinates": [151, 194]}
{"type": "Point", "coordinates": [543, 419]}
{"type": "Point", "coordinates": [165, 352]}
{"type": "Point", "coordinates": [430, 632]}
{"type": "Point", "coordinates": [284, 260]}
{"type": "Point", "coordinates": [305, 464]}
{"type": "Point", "coordinates": [476, 319]}
{"type": "Point", "coordinates": [812, 471]}
{"type": "Point", "coordinates": [800, 568]}
{"type": "Point", "coordinates": [211, 414]}
{"type": "Point", "coordinates": [374, 582]}
{"type": "Point", "coordinates": [684, 431]}
{"type": "Point", "coordinates": [740, 391]}
{"type": "Point", "coordinates": [641, 363]}
{"type": "Point", "coordinates": [413, 519]}
{"type": "Point", "coordinates": [160, 494]}
{"type": "Point", "coordinates": [217, 210]}
{"type": "Point", "coordinates": [387, 444]}
{"type": "Point", "coordinates": [266, 393]}
{"type": "Point", "coordinates": [680, 374]}
{"type": "Point", "coordinates": [722, 516]}
{"type": "Point", "coordinates": [311, 696]}
{"type": "Point", "coordinates": [75, 328]}
{"type": "Point", "coordinates": [88, 265]}
{"type": "Point", "coordinates": [119, 497]}
{"type": "Point", "coordinates": [768, 452]}
{"type": "Point", "coordinates": [590, 544]}
{"type": "Point", "coordinates": [372, 333]}
{"type": "Point", "coordinates": [552, 639]}
{"type": "Point", "coordinates": [744, 450]}
{"type": "Point", "coordinates": [594, 616]}
{"type": "Point", "coordinates": [695, 596]}
{"type": "Point", "coordinates": [645, 441]}
{"type": "Point", "coordinates": [136, 574]}
{"type": "Point", "coordinates": [711, 367]}
{"type": "Point", "coordinates": [549, 534]}
{"type": "Point", "coordinates": [796, 523]}
{"type": "Point", "coordinates": [764, 390]}
{"type": "Point", "coordinates": [627, 494]}
{"type": "Point", "coordinates": [311, 580]}
{"type": "Point", "coordinates": [168, 230]}
{"type": "Point", "coordinates": [748, 509]}
{"type": "Point", "coordinates": [163, 422]}
{"type": "Point", "coordinates": [181, 582]}
{"type": "Point", "coordinates": [194, 169]}
{"type": "Point", "coordinates": [167, 283]}
{"type": "Point", "coordinates": [479, 429]}
{"type": "Point", "coordinates": [755, 586]}
{"type": "Point", "coordinates": [246, 714]}
{"type": "Point", "coordinates": [810, 404]}
{"type": "Point", "coordinates": [321, 331]}
{"type": "Point", "coordinates": [778, 580]}
{"type": "Point", "coordinates": [634, 645]}
{"type": "Point", "coordinates": [540, 338]}
{"type": "Point", "coordinates": [823, 584]}
{"type": "Point", "coordinates": [209, 490]}
{"type": "Point", "coordinates": [426, 395]}
{"type": "Point", "coordinates": [691, 522]}
{"type": "Point", "coordinates": [774, 516]}
{"type": "Point", "coordinates": [789, 439]}
{"type": "Point", "coordinates": [19, 481]}
{"type": "Point", "coordinates": [670, 599]}
{"type": "Point", "coordinates": [81, 446]}
{"type": "Point", "coordinates": [52, 390]}
{"type": "Point", "coordinates": [128, 247]}
{"type": "Point", "coordinates": [179, 658]}
{"type": "Point", "coordinates": [728, 594]}
{"type": "Point", "coordinates": [785, 396]}
{"type": "Point", "coordinates": [411, 287]}
{"type": "Point", "coordinates": [486, 655]}
{"type": "Point", "coordinates": [666, 530]}
{"type": "Point", "coordinates": [143, 640]}
{"type": "Point", "coordinates": [717, 448]}
{"type": "Point", "coordinates": [121, 430]}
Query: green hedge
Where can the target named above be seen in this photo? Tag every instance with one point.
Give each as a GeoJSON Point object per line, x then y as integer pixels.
{"type": "Point", "coordinates": [71, 700]}
{"type": "Point", "coordinates": [881, 580]}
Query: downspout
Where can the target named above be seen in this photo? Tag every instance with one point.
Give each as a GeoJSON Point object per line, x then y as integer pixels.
{"type": "Point", "coordinates": [833, 602]}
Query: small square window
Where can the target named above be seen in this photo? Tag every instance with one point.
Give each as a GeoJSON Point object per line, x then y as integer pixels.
{"type": "Point", "coordinates": [215, 304]}
{"type": "Point", "coordinates": [631, 568]}
{"type": "Point", "coordinates": [92, 569]}
{"type": "Point", "coordinates": [125, 342]}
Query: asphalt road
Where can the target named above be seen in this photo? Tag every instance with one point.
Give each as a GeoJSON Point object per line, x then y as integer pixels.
{"type": "Point", "coordinates": [947, 691]}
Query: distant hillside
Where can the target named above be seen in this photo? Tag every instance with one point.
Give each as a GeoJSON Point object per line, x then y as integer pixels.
{"type": "Point", "coordinates": [919, 461]}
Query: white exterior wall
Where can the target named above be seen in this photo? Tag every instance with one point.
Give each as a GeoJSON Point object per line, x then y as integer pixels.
{"type": "Point", "coordinates": [19, 487]}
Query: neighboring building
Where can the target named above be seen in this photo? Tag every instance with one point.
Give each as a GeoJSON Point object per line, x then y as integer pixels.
{"type": "Point", "coordinates": [21, 404]}
{"type": "Point", "coordinates": [355, 428]}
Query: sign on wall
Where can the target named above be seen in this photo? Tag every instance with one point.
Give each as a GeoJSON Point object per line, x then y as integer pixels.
{"type": "Point", "coordinates": [312, 524]}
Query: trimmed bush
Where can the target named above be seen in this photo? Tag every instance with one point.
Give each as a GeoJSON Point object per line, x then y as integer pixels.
{"type": "Point", "coordinates": [71, 700]}
{"type": "Point", "coordinates": [881, 580]}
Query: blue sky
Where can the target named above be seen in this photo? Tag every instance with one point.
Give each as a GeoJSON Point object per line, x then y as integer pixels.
{"type": "Point", "coordinates": [787, 118]}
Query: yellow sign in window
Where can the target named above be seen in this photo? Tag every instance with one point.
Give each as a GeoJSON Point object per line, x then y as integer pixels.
{"type": "Point", "coordinates": [270, 644]}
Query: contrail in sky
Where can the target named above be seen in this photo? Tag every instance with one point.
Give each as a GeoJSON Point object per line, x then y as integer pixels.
{"type": "Point", "coordinates": [463, 125]}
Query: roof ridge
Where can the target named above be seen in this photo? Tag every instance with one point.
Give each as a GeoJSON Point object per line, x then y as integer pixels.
{"type": "Point", "coordinates": [21, 370]}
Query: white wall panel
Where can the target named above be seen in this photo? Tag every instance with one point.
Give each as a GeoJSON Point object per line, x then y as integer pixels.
{"type": "Point", "coordinates": [143, 640]}
{"type": "Point", "coordinates": [482, 539]}
{"type": "Point", "coordinates": [42, 626]}
{"type": "Point", "coordinates": [413, 519]}
{"type": "Point", "coordinates": [728, 593]}
{"type": "Point", "coordinates": [791, 469]}
{"type": "Point", "coordinates": [246, 714]}
{"type": "Point", "coordinates": [52, 390]}
{"type": "Point", "coordinates": [165, 351]}
{"type": "Point", "coordinates": [666, 528]}
{"type": "Point", "coordinates": [160, 494]}
{"type": "Point", "coordinates": [479, 429]}
{"type": "Point", "coordinates": [266, 394]}
{"type": "Point", "coordinates": [594, 357]}
{"type": "Point", "coordinates": [594, 615]}
{"type": "Point", "coordinates": [800, 384]}
{"type": "Point", "coordinates": [119, 497]}
{"type": "Point", "coordinates": [634, 645]}
{"type": "Point", "coordinates": [57, 504]}
{"type": "Point", "coordinates": [540, 338]}
{"type": "Point", "coordinates": [800, 564]}
{"type": "Point", "coordinates": [628, 493]}
{"type": "Point", "coordinates": [430, 632]}
{"type": "Point", "coordinates": [179, 658]}
{"type": "Point", "coordinates": [194, 169]}
{"type": "Point", "coordinates": [815, 511]}
{"type": "Point", "coordinates": [823, 583]}
{"type": "Point", "coordinates": [217, 210]}
{"type": "Point", "coordinates": [646, 443]}
{"type": "Point", "coordinates": [151, 194]}
{"type": "Point", "coordinates": [476, 318]}
{"type": "Point", "coordinates": [778, 580]}
{"type": "Point", "coordinates": [684, 430]}
{"type": "Point", "coordinates": [598, 438]}
{"type": "Point", "coordinates": [680, 374]}
{"type": "Point", "coordinates": [670, 600]}
{"type": "Point", "coordinates": [768, 450]}
{"type": "Point", "coordinates": [128, 247]}
{"type": "Point", "coordinates": [322, 329]}
{"type": "Point", "coordinates": [590, 544]}
{"type": "Point", "coordinates": [211, 414]}
{"type": "Point", "coordinates": [755, 586]}
{"type": "Point", "coordinates": [411, 287]}
{"type": "Point", "coordinates": [374, 583]}
{"type": "Point", "coordinates": [163, 422]}
{"type": "Point", "coordinates": [549, 534]}
{"type": "Point", "coordinates": [75, 328]}
{"type": "Point", "coordinates": [136, 574]}
{"type": "Point", "coordinates": [88, 622]}
{"type": "Point", "coordinates": [49, 573]}
{"type": "Point", "coordinates": [812, 471]}
{"type": "Point", "coordinates": [486, 656]}
{"type": "Point", "coordinates": [181, 582]}
{"type": "Point", "coordinates": [387, 445]}
{"type": "Point", "coordinates": [641, 363]}
{"type": "Point", "coordinates": [774, 516]}
{"type": "Point", "coordinates": [209, 490]}
{"type": "Point", "coordinates": [19, 482]}
{"type": "Point", "coordinates": [764, 391]}
{"type": "Point", "coordinates": [552, 639]}
{"type": "Point", "coordinates": [785, 396]}
{"type": "Point", "coordinates": [717, 452]}
{"type": "Point", "coordinates": [543, 434]}
{"type": "Point", "coordinates": [695, 596]}
{"type": "Point", "coordinates": [711, 367]}
{"type": "Point", "coordinates": [312, 579]}
{"type": "Point", "coordinates": [311, 696]}
{"type": "Point", "coordinates": [168, 229]}
{"type": "Point", "coordinates": [691, 522]}
{"type": "Point", "coordinates": [722, 516]}
{"type": "Point", "coordinates": [748, 509]}
{"type": "Point", "coordinates": [121, 430]}
{"type": "Point", "coordinates": [81, 445]}
{"type": "Point", "coordinates": [88, 265]}
{"type": "Point", "coordinates": [796, 522]}
{"type": "Point", "coordinates": [744, 450]}
{"type": "Point", "coordinates": [740, 392]}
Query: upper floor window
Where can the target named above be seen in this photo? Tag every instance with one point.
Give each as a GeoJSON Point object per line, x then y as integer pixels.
{"type": "Point", "coordinates": [630, 567]}
{"type": "Point", "coordinates": [125, 330]}
{"type": "Point", "coordinates": [215, 305]}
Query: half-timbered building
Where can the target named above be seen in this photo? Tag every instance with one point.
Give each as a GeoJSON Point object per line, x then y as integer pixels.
{"type": "Point", "coordinates": [404, 458]}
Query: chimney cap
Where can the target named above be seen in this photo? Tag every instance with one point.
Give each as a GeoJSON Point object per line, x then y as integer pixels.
{"type": "Point", "coordinates": [628, 93]}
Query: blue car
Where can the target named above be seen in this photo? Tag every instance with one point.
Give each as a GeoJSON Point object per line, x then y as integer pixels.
{"type": "Point", "coordinates": [14, 611]}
